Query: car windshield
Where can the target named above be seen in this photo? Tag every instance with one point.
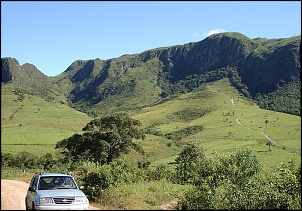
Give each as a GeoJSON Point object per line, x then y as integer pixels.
{"type": "Point", "coordinates": [56, 182]}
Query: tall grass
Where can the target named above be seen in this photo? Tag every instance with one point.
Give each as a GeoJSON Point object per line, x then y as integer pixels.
{"type": "Point", "coordinates": [144, 195]}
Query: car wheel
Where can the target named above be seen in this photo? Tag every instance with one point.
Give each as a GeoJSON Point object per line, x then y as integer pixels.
{"type": "Point", "coordinates": [33, 207]}
{"type": "Point", "coordinates": [26, 207]}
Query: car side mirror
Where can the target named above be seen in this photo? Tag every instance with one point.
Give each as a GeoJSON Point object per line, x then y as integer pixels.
{"type": "Point", "coordinates": [82, 187]}
{"type": "Point", "coordinates": [31, 189]}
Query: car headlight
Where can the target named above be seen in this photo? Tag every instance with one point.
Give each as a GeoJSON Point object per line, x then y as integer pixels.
{"type": "Point", "coordinates": [45, 200]}
{"type": "Point", "coordinates": [81, 199]}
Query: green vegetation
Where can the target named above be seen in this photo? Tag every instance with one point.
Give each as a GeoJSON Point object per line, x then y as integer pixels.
{"type": "Point", "coordinates": [233, 182]}
{"type": "Point", "coordinates": [104, 139]}
{"type": "Point", "coordinates": [286, 98]}
{"type": "Point", "coordinates": [221, 181]}
{"type": "Point", "coordinates": [230, 170]}
{"type": "Point", "coordinates": [43, 123]}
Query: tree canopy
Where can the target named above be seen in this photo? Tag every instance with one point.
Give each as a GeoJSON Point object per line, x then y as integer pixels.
{"type": "Point", "coordinates": [103, 139]}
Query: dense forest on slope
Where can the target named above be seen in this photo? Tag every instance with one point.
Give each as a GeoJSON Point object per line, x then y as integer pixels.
{"type": "Point", "coordinates": [266, 70]}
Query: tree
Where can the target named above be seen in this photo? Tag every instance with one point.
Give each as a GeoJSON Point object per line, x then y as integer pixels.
{"type": "Point", "coordinates": [187, 162]}
{"type": "Point", "coordinates": [7, 160]}
{"type": "Point", "coordinates": [269, 145]}
{"type": "Point", "coordinates": [26, 159]}
{"type": "Point", "coordinates": [47, 161]}
{"type": "Point", "coordinates": [266, 122]}
{"type": "Point", "coordinates": [103, 139]}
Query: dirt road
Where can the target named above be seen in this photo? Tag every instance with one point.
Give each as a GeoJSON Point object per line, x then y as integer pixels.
{"type": "Point", "coordinates": [13, 195]}
{"type": "Point", "coordinates": [262, 132]}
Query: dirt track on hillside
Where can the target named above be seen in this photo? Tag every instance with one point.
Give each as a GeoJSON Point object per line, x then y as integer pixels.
{"type": "Point", "coordinates": [262, 132]}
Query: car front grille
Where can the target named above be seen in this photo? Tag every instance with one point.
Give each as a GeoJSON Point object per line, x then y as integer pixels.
{"type": "Point", "coordinates": [64, 200]}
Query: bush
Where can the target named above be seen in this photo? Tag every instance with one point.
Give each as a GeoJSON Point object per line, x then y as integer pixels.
{"type": "Point", "coordinates": [95, 182]}
{"type": "Point", "coordinates": [234, 183]}
{"type": "Point", "coordinates": [97, 177]}
{"type": "Point", "coordinates": [197, 198]}
{"type": "Point", "coordinates": [160, 172]}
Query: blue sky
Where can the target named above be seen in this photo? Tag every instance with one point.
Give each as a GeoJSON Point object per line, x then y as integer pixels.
{"type": "Point", "coordinates": [53, 34]}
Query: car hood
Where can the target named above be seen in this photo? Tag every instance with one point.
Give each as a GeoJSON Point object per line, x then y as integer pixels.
{"type": "Point", "coordinates": [61, 192]}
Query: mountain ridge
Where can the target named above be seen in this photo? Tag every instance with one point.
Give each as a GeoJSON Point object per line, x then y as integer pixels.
{"type": "Point", "coordinates": [260, 66]}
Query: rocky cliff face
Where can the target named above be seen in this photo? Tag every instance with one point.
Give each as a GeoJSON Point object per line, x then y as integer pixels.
{"type": "Point", "coordinates": [262, 72]}
{"type": "Point", "coordinates": [220, 51]}
{"type": "Point", "coordinates": [27, 74]}
{"type": "Point", "coordinates": [212, 53]}
{"type": "Point", "coordinates": [260, 65]}
{"type": "Point", "coordinates": [10, 69]}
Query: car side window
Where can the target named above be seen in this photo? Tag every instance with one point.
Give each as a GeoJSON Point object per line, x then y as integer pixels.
{"type": "Point", "coordinates": [35, 182]}
{"type": "Point", "coordinates": [32, 181]}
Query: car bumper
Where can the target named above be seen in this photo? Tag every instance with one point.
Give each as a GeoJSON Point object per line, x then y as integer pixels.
{"type": "Point", "coordinates": [63, 207]}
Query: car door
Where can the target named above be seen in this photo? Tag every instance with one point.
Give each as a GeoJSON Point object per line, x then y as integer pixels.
{"type": "Point", "coordinates": [31, 192]}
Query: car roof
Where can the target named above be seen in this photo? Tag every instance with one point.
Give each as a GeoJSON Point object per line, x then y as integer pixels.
{"type": "Point", "coordinates": [53, 174]}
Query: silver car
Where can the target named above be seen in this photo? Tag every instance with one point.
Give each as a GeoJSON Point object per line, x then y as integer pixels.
{"type": "Point", "coordinates": [55, 191]}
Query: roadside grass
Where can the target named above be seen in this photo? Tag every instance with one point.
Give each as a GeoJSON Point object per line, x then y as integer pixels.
{"type": "Point", "coordinates": [141, 196]}
{"type": "Point", "coordinates": [18, 174]}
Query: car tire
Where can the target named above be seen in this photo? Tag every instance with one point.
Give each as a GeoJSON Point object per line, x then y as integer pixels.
{"type": "Point", "coordinates": [26, 207]}
{"type": "Point", "coordinates": [33, 207]}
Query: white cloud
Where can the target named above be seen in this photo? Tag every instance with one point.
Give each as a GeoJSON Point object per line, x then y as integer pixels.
{"type": "Point", "coordinates": [214, 31]}
{"type": "Point", "coordinates": [195, 34]}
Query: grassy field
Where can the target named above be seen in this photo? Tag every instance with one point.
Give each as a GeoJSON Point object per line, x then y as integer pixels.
{"type": "Point", "coordinates": [221, 133]}
{"type": "Point", "coordinates": [35, 125]}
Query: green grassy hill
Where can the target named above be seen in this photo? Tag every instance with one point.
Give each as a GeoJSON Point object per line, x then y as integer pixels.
{"type": "Point", "coordinates": [206, 116]}
{"type": "Point", "coordinates": [29, 123]}
{"type": "Point", "coordinates": [211, 108]}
